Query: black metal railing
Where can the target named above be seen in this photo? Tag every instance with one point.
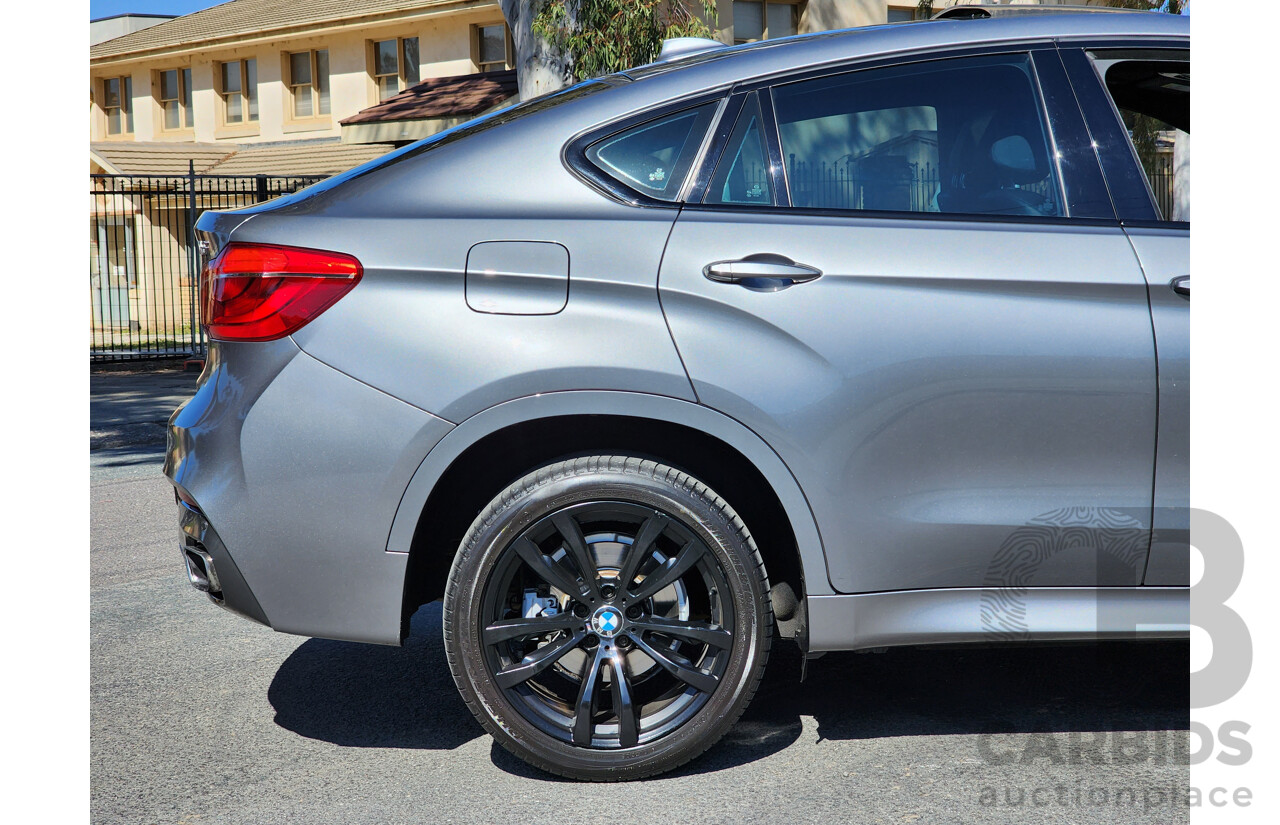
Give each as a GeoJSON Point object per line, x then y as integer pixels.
{"type": "Point", "coordinates": [904, 187]}
{"type": "Point", "coordinates": [1160, 172]}
{"type": "Point", "coordinates": [143, 261]}
{"type": "Point", "coordinates": [909, 187]}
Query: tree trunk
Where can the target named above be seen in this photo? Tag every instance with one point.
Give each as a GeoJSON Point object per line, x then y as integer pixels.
{"type": "Point", "coordinates": [540, 68]}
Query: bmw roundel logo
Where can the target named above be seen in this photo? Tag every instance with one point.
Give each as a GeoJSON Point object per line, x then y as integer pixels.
{"type": "Point", "coordinates": [606, 622]}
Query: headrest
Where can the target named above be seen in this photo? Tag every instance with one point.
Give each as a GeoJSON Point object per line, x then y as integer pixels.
{"type": "Point", "coordinates": [1015, 160]}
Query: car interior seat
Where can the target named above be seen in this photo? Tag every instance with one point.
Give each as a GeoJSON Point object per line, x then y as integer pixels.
{"type": "Point", "coordinates": [990, 165]}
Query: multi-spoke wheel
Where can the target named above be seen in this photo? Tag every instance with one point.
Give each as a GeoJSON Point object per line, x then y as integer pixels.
{"type": "Point", "coordinates": [607, 618]}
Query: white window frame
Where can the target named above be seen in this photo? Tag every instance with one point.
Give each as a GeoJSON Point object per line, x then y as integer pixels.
{"type": "Point", "coordinates": [125, 96]}
{"type": "Point", "coordinates": [404, 78]}
{"type": "Point", "coordinates": [508, 62]}
{"type": "Point", "coordinates": [186, 106]}
{"type": "Point", "coordinates": [311, 88]}
{"type": "Point", "coordinates": [247, 116]}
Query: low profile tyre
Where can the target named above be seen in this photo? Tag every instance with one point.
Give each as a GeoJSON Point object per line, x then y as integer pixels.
{"type": "Point", "coordinates": [607, 618]}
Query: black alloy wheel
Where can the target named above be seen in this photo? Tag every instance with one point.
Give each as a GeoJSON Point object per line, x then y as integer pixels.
{"type": "Point", "coordinates": [607, 618]}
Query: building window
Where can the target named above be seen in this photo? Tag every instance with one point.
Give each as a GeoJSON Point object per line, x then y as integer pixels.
{"type": "Point", "coordinates": [175, 99]}
{"type": "Point", "coordinates": [308, 74]}
{"type": "Point", "coordinates": [117, 102]}
{"type": "Point", "coordinates": [492, 46]}
{"type": "Point", "coordinates": [903, 14]}
{"type": "Point", "coordinates": [395, 65]}
{"type": "Point", "coordinates": [238, 86]}
{"type": "Point", "coordinates": [763, 20]}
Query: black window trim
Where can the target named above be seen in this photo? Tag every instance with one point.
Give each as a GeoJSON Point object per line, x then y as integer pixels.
{"type": "Point", "coordinates": [573, 153]}
{"type": "Point", "coordinates": [1135, 203]}
{"type": "Point", "coordinates": [724, 130]}
{"type": "Point", "coordinates": [1084, 189]}
{"type": "Point", "coordinates": [1029, 48]}
{"type": "Point", "coordinates": [773, 143]}
{"type": "Point", "coordinates": [732, 96]}
{"type": "Point", "coordinates": [718, 136]}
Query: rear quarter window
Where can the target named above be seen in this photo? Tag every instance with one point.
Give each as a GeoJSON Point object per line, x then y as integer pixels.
{"type": "Point", "coordinates": [654, 157]}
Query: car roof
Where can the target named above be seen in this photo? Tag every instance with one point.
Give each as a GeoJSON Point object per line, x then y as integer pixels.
{"type": "Point", "coordinates": [712, 68]}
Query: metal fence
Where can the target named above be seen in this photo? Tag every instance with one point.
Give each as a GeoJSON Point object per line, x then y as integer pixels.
{"type": "Point", "coordinates": [143, 270]}
{"type": "Point", "coordinates": [1160, 173]}
{"type": "Point", "coordinates": [903, 187]}
{"type": "Point", "coordinates": [911, 187]}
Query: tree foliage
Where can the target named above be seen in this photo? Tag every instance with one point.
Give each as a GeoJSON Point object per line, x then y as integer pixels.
{"type": "Point", "coordinates": [605, 36]}
{"type": "Point", "coordinates": [1170, 6]}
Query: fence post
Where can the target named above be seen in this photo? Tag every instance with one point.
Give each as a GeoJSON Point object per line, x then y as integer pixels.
{"type": "Point", "coordinates": [193, 255]}
{"type": "Point", "coordinates": [261, 181]}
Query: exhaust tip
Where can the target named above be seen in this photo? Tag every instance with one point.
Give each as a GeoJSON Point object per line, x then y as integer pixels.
{"type": "Point", "coordinates": [201, 571]}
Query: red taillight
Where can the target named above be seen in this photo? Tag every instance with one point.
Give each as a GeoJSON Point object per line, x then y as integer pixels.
{"type": "Point", "coordinates": [261, 292]}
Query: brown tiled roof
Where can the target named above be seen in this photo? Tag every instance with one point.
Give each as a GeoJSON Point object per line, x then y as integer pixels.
{"type": "Point", "coordinates": [466, 94]}
{"type": "Point", "coordinates": [240, 18]}
{"type": "Point", "coordinates": [141, 158]}
{"type": "Point", "coordinates": [295, 159]}
{"type": "Point", "coordinates": [144, 158]}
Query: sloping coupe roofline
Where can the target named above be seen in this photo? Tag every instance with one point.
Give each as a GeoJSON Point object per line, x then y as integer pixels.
{"type": "Point", "coordinates": [870, 41]}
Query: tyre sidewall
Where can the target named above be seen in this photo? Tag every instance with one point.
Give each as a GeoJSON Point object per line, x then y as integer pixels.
{"type": "Point", "coordinates": [634, 481]}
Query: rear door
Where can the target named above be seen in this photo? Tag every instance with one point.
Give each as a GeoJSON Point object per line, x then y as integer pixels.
{"type": "Point", "coordinates": [1137, 101]}
{"type": "Point", "coordinates": [909, 280]}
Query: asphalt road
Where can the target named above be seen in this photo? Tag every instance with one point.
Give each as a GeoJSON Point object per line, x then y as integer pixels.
{"type": "Point", "coordinates": [201, 717]}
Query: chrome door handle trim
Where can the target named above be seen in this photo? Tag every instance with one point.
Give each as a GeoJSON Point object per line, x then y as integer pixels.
{"type": "Point", "coordinates": [746, 269]}
{"type": "Point", "coordinates": [1182, 285]}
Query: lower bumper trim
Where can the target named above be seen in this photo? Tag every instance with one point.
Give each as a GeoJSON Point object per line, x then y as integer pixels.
{"type": "Point", "coordinates": [210, 567]}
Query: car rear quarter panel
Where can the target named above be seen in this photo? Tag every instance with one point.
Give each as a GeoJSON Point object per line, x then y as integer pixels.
{"type": "Point", "coordinates": [299, 470]}
{"type": "Point", "coordinates": [407, 328]}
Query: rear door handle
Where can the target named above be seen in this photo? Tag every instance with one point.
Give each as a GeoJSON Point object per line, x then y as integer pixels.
{"type": "Point", "coordinates": [767, 273]}
{"type": "Point", "coordinates": [1182, 285]}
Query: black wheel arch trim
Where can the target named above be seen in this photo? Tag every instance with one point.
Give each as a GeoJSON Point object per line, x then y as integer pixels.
{"type": "Point", "coordinates": [811, 558]}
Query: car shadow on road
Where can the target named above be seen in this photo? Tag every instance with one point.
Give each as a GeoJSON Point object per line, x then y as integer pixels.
{"type": "Point", "coordinates": [373, 696]}
{"type": "Point", "coordinates": [366, 696]}
{"type": "Point", "coordinates": [941, 691]}
{"type": "Point", "coordinates": [999, 689]}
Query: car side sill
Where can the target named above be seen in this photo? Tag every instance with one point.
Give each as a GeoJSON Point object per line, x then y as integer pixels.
{"type": "Point", "coordinates": [918, 617]}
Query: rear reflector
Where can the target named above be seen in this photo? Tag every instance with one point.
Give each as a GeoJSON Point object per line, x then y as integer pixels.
{"type": "Point", "coordinates": [261, 292]}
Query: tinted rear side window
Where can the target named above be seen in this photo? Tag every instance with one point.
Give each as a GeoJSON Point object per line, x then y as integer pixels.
{"type": "Point", "coordinates": [962, 136]}
{"type": "Point", "coordinates": [654, 158]}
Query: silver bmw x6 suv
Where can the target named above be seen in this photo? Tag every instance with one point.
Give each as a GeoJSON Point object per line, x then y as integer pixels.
{"type": "Point", "coordinates": [859, 339]}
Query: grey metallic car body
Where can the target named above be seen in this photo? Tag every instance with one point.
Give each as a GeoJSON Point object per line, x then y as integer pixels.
{"type": "Point", "coordinates": [951, 391]}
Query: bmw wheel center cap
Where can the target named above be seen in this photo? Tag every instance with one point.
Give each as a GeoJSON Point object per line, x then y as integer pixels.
{"type": "Point", "coordinates": [606, 622]}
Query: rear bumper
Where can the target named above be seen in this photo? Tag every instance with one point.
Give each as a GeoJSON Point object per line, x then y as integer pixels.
{"type": "Point", "coordinates": [296, 470]}
{"type": "Point", "coordinates": [210, 568]}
